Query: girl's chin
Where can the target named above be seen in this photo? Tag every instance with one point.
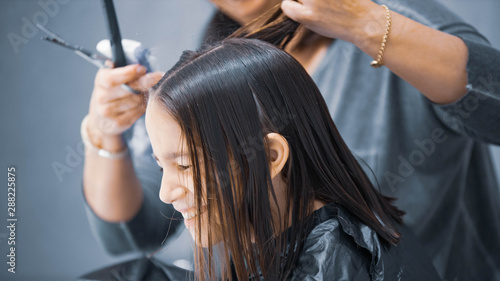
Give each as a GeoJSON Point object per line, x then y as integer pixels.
{"type": "Point", "coordinates": [203, 243]}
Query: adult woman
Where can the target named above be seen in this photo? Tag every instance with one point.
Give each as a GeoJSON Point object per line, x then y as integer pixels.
{"type": "Point", "coordinates": [407, 121]}
{"type": "Point", "coordinates": [248, 151]}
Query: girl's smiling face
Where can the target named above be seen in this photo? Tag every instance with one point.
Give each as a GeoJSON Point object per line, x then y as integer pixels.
{"type": "Point", "coordinates": [178, 185]}
{"type": "Point", "coordinates": [171, 154]}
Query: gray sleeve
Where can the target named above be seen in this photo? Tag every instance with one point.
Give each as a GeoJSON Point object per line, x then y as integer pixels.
{"type": "Point", "coordinates": [477, 114]}
{"type": "Point", "coordinates": [144, 233]}
{"type": "Point", "coordinates": [155, 220]}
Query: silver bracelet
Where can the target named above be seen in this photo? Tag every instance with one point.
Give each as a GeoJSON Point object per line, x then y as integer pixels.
{"type": "Point", "coordinates": [96, 150]}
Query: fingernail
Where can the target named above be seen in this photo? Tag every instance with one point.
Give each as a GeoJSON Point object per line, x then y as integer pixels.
{"type": "Point", "coordinates": [140, 69]}
{"type": "Point", "coordinates": [108, 64]}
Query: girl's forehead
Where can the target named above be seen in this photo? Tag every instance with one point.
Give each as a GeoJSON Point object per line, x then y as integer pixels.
{"type": "Point", "coordinates": [157, 115]}
{"type": "Point", "coordinates": [163, 130]}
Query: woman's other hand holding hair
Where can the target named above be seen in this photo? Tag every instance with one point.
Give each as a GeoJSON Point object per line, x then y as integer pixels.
{"type": "Point", "coordinates": [432, 61]}
{"type": "Point", "coordinates": [341, 19]}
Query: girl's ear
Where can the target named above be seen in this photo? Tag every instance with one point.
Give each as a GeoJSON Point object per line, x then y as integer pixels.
{"type": "Point", "coordinates": [278, 153]}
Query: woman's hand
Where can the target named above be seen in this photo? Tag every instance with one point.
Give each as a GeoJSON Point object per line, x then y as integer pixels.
{"type": "Point", "coordinates": [341, 19]}
{"type": "Point", "coordinates": [111, 186]}
{"type": "Point", "coordinates": [433, 61]}
{"type": "Point", "coordinates": [112, 108]}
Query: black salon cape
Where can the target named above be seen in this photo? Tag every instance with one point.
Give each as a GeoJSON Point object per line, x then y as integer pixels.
{"type": "Point", "coordinates": [341, 247]}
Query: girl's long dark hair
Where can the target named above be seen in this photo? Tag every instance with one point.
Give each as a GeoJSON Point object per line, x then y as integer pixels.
{"type": "Point", "coordinates": [226, 98]}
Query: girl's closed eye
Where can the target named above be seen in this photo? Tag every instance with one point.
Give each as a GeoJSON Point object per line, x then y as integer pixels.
{"type": "Point", "coordinates": [184, 167]}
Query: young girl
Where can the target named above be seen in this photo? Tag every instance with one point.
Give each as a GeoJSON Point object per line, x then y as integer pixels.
{"type": "Point", "coordinates": [253, 161]}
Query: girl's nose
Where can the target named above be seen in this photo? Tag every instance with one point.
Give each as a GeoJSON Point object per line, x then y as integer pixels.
{"type": "Point", "coordinates": [171, 189]}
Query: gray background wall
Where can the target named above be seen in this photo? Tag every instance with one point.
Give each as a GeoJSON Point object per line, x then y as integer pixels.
{"type": "Point", "coordinates": [45, 94]}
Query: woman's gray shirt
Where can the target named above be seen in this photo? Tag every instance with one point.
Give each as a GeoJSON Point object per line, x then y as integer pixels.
{"type": "Point", "coordinates": [433, 158]}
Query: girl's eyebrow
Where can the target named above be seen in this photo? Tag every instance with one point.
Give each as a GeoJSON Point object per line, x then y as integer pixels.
{"type": "Point", "coordinates": [171, 155]}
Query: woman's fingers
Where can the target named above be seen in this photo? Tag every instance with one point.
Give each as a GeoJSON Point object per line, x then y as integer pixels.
{"type": "Point", "coordinates": [121, 105]}
{"type": "Point", "coordinates": [115, 121]}
{"type": "Point", "coordinates": [109, 115]}
{"type": "Point", "coordinates": [108, 82]}
{"type": "Point", "coordinates": [342, 19]}
{"type": "Point", "coordinates": [127, 118]}
{"type": "Point", "coordinates": [114, 109]}
{"type": "Point", "coordinates": [108, 78]}
{"type": "Point", "coordinates": [296, 11]}
{"type": "Point", "coordinates": [146, 81]}
{"type": "Point", "coordinates": [109, 64]}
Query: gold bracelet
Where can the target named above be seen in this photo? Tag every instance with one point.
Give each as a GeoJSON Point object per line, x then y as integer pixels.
{"type": "Point", "coordinates": [378, 62]}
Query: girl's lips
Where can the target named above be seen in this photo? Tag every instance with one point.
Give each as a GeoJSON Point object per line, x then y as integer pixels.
{"type": "Point", "coordinates": [190, 215]}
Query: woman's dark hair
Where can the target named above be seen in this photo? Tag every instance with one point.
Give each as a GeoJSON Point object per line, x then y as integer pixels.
{"type": "Point", "coordinates": [273, 26]}
{"type": "Point", "coordinates": [226, 98]}
{"type": "Point", "coordinates": [219, 27]}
